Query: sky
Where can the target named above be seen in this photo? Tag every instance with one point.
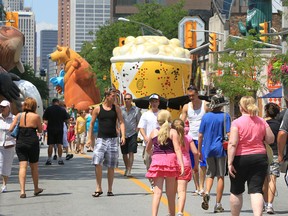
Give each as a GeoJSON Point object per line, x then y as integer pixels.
{"type": "Point", "coordinates": [46, 15]}
{"type": "Point", "coordinates": [46, 12]}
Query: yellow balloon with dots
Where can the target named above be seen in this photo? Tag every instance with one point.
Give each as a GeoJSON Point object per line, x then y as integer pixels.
{"type": "Point", "coordinates": [151, 64]}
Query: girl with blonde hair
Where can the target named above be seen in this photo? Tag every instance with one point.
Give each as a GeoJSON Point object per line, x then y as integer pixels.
{"type": "Point", "coordinates": [164, 166]}
{"type": "Point", "coordinates": [187, 144]}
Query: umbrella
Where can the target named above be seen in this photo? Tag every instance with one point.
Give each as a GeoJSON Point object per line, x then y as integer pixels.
{"type": "Point", "coordinates": [178, 102]}
{"type": "Point", "coordinates": [274, 94]}
{"type": "Point", "coordinates": [143, 102]}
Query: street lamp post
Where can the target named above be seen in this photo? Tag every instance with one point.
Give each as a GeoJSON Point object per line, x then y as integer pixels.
{"type": "Point", "coordinates": [155, 31]}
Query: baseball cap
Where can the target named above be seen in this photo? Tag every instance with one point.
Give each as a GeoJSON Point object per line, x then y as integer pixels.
{"type": "Point", "coordinates": [154, 96]}
{"type": "Point", "coordinates": [5, 103]}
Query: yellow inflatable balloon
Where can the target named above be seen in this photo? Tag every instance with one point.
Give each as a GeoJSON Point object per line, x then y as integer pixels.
{"type": "Point", "coordinates": [151, 64]}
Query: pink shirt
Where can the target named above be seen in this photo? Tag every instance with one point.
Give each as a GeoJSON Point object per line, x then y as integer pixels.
{"type": "Point", "coordinates": [251, 131]}
{"type": "Point", "coordinates": [185, 150]}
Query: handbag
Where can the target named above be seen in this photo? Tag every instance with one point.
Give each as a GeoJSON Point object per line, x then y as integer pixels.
{"type": "Point", "coordinates": [15, 131]}
{"type": "Point", "coordinates": [225, 139]}
{"type": "Point", "coordinates": [269, 152]}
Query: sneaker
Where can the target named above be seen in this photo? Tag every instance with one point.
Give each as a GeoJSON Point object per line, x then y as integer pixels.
{"type": "Point", "coordinates": [61, 162]}
{"type": "Point", "coordinates": [218, 209]}
{"type": "Point", "coordinates": [180, 214]}
{"type": "Point", "coordinates": [195, 193]}
{"type": "Point", "coordinates": [270, 210]}
{"type": "Point", "coordinates": [205, 203]}
{"type": "Point", "coordinates": [201, 192]}
{"type": "Point", "coordinates": [69, 156]}
{"type": "Point", "coordinates": [152, 189]}
{"type": "Point", "coordinates": [55, 157]}
{"type": "Point", "coordinates": [129, 174]}
{"type": "Point", "coordinates": [48, 162]}
{"type": "Point", "coordinates": [125, 173]}
{"type": "Point", "coordinates": [3, 189]}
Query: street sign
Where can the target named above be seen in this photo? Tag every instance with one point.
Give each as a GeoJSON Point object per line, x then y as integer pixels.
{"type": "Point", "coordinates": [200, 26]}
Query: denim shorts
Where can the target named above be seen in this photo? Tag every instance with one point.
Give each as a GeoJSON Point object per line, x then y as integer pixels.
{"type": "Point", "coordinates": [274, 168]}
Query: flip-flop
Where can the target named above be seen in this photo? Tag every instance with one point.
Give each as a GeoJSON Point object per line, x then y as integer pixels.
{"type": "Point", "coordinates": [110, 193]}
{"type": "Point", "coordinates": [97, 194]}
{"type": "Point", "coordinates": [37, 193]}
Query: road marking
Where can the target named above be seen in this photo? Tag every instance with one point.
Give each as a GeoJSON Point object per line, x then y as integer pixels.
{"type": "Point", "coordinates": [137, 182]}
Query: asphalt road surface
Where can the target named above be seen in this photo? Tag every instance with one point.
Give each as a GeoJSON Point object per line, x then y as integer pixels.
{"type": "Point", "coordinates": [68, 189]}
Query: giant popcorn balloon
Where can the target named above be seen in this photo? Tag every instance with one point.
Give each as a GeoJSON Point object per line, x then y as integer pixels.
{"type": "Point", "coordinates": [151, 64]}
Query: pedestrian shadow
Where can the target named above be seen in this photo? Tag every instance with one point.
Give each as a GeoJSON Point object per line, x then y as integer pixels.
{"type": "Point", "coordinates": [281, 212]}
{"type": "Point", "coordinates": [132, 194]}
{"type": "Point", "coordinates": [53, 194]}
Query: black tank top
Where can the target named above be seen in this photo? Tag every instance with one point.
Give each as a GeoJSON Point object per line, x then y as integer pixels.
{"type": "Point", "coordinates": [107, 122]}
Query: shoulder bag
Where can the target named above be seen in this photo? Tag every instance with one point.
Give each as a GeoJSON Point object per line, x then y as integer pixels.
{"type": "Point", "coordinates": [269, 152]}
{"type": "Point", "coordinates": [225, 138]}
{"type": "Point", "coordinates": [15, 131]}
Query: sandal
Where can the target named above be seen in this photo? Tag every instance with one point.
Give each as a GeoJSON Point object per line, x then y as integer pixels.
{"type": "Point", "coordinates": [97, 194]}
{"type": "Point", "coordinates": [38, 192]}
{"type": "Point", "coordinates": [23, 195]}
{"type": "Point", "coordinates": [110, 193]}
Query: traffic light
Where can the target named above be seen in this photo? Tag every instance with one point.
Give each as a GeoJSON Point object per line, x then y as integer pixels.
{"type": "Point", "coordinates": [213, 42]}
{"type": "Point", "coordinates": [190, 36]}
{"type": "Point", "coordinates": [265, 30]}
{"type": "Point", "coordinates": [12, 19]}
{"type": "Point", "coordinates": [42, 72]}
{"type": "Point", "coordinates": [122, 41]}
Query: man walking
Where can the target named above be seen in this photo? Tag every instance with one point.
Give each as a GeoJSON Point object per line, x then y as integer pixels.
{"type": "Point", "coordinates": [55, 117]}
{"type": "Point", "coordinates": [148, 122]}
{"type": "Point", "coordinates": [131, 115]}
{"type": "Point", "coordinates": [194, 111]}
{"type": "Point", "coordinates": [106, 148]}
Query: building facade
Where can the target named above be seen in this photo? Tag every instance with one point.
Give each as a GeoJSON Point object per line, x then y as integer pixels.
{"type": "Point", "coordinates": [64, 23]}
{"type": "Point", "coordinates": [13, 5]}
{"type": "Point", "coordinates": [27, 26]}
{"type": "Point", "coordinates": [85, 19]}
{"type": "Point", "coordinates": [48, 42]}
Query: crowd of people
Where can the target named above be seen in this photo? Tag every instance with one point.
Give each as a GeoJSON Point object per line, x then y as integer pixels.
{"type": "Point", "coordinates": [175, 151]}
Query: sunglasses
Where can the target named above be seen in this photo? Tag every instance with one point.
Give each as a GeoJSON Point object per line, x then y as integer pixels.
{"type": "Point", "coordinates": [2, 107]}
{"type": "Point", "coordinates": [127, 99]}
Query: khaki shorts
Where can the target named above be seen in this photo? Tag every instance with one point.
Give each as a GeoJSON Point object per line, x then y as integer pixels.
{"type": "Point", "coordinates": [81, 138]}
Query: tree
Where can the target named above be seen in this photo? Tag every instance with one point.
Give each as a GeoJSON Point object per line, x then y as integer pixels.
{"type": "Point", "coordinates": [99, 51]}
{"type": "Point", "coordinates": [28, 75]}
{"type": "Point", "coordinates": [241, 69]}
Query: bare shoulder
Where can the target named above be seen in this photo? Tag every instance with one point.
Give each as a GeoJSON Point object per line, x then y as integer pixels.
{"type": "Point", "coordinates": [185, 107]}
{"type": "Point", "coordinates": [96, 110]}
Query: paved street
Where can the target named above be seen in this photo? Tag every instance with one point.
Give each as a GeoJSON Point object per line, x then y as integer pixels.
{"type": "Point", "coordinates": [68, 191]}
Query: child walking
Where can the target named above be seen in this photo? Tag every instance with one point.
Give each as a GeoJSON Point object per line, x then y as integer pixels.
{"type": "Point", "coordinates": [71, 134]}
{"type": "Point", "coordinates": [186, 143]}
{"type": "Point", "coordinates": [164, 166]}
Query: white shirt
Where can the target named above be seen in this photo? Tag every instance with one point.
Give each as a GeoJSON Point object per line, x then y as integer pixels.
{"type": "Point", "coordinates": [5, 123]}
{"type": "Point", "coordinates": [148, 122]}
{"type": "Point", "coordinates": [194, 118]}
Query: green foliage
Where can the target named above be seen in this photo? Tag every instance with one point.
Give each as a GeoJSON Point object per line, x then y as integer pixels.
{"type": "Point", "coordinates": [28, 75]}
{"type": "Point", "coordinates": [163, 18]}
{"type": "Point", "coordinates": [241, 69]}
{"type": "Point", "coordinates": [278, 68]}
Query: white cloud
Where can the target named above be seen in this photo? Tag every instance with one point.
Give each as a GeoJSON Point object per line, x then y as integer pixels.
{"type": "Point", "coordinates": [43, 26]}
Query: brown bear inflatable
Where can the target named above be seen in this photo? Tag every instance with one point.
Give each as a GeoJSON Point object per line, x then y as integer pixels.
{"type": "Point", "coordinates": [79, 80]}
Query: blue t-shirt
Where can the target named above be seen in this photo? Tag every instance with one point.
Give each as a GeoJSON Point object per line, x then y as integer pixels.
{"type": "Point", "coordinates": [212, 128]}
{"type": "Point", "coordinates": [88, 120]}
